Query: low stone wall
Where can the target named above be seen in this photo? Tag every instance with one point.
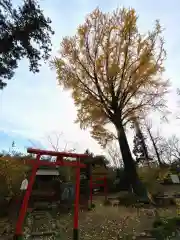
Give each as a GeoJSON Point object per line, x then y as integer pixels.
{"type": "Point", "coordinates": [171, 189]}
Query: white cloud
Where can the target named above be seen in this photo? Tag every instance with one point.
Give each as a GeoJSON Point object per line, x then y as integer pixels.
{"type": "Point", "coordinates": [34, 105]}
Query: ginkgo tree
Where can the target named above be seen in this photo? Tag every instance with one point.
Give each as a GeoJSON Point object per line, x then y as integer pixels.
{"type": "Point", "coordinates": [113, 72]}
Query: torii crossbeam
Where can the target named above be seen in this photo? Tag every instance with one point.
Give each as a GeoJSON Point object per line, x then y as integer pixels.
{"type": "Point", "coordinates": [59, 162]}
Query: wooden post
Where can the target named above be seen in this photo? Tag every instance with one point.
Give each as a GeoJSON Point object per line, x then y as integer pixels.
{"type": "Point", "coordinates": [91, 190]}
{"type": "Point", "coordinates": [76, 207]}
{"type": "Point", "coordinates": [23, 210]}
{"type": "Point", "coordinates": [105, 188]}
{"type": "Point", "coordinates": [59, 162]}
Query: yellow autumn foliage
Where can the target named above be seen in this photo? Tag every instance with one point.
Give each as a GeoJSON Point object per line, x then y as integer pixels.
{"type": "Point", "coordinates": [149, 177]}
{"type": "Point", "coordinates": [12, 172]}
{"type": "Point", "coordinates": [153, 177]}
{"type": "Point", "coordinates": [112, 70]}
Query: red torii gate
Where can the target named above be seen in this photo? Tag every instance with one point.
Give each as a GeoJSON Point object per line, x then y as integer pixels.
{"type": "Point", "coordinates": [59, 162]}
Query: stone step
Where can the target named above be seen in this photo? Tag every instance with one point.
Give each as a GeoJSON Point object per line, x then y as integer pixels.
{"type": "Point", "coordinates": [7, 237]}
{"type": "Point", "coordinates": [41, 212]}
{"type": "Point", "coordinates": [43, 234]}
{"type": "Point", "coordinates": [5, 228]}
{"type": "Point", "coordinates": [40, 206]}
{"type": "Point", "coordinates": [3, 224]}
{"type": "Point", "coordinates": [41, 222]}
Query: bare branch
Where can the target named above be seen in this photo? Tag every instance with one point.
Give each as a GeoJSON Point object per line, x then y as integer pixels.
{"type": "Point", "coordinates": [54, 140]}
{"type": "Point", "coordinates": [114, 155]}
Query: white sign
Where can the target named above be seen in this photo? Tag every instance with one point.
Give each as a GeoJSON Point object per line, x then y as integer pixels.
{"type": "Point", "coordinates": [47, 172]}
{"type": "Point", "coordinates": [175, 178]}
{"type": "Point", "coordinates": [24, 184]}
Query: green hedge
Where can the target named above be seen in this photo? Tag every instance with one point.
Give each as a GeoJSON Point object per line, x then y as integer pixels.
{"type": "Point", "coordinates": [166, 228]}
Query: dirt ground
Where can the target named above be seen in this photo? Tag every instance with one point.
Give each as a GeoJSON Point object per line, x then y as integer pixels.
{"type": "Point", "coordinates": [105, 222]}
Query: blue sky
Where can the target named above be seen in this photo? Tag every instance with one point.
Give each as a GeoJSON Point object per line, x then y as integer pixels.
{"type": "Point", "coordinates": [34, 106]}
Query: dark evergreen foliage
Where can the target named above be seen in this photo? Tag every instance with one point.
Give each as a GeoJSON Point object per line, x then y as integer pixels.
{"type": "Point", "coordinates": [24, 32]}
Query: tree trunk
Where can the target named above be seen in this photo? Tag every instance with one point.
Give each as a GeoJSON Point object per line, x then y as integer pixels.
{"type": "Point", "coordinates": [129, 164]}
{"type": "Point", "coordinates": [155, 147]}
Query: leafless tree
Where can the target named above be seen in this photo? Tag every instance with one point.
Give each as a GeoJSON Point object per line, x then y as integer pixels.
{"type": "Point", "coordinates": [156, 141]}
{"type": "Point", "coordinates": [57, 142]}
{"type": "Point", "coordinates": [114, 155]}
{"type": "Point", "coordinates": [140, 146]}
{"type": "Point", "coordinates": [33, 144]}
{"type": "Point", "coordinates": [164, 150]}
{"type": "Point", "coordinates": [173, 144]}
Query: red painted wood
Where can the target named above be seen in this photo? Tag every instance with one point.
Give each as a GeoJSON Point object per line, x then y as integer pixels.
{"type": "Point", "coordinates": [77, 196]}
{"type": "Point", "coordinates": [24, 206]}
{"type": "Point", "coordinates": [105, 188]}
{"type": "Point", "coordinates": [52, 153]}
{"type": "Point", "coordinates": [98, 185]}
{"type": "Point", "coordinates": [62, 163]}
{"type": "Point", "coordinates": [98, 179]}
{"type": "Point", "coordinates": [93, 185]}
{"type": "Point", "coordinates": [56, 163]}
{"type": "Point", "coordinates": [91, 190]}
{"type": "Point", "coordinates": [36, 163]}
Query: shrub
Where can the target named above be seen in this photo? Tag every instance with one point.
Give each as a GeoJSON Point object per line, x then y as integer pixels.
{"type": "Point", "coordinates": [150, 177]}
{"type": "Point", "coordinates": [11, 175]}
{"type": "Point", "coordinates": [3, 206]}
{"type": "Point", "coordinates": [128, 199]}
{"type": "Point", "coordinates": [166, 228]}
